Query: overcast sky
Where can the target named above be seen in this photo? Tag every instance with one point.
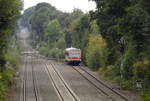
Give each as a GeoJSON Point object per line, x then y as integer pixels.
{"type": "Point", "coordinates": [64, 5]}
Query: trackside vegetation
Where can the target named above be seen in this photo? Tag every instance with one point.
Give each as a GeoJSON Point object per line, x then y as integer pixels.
{"type": "Point", "coordinates": [124, 24]}
{"type": "Point", "coordinates": [6, 75]}
{"type": "Point", "coordinates": [114, 38]}
{"type": "Point", "coordinates": [9, 52]}
{"type": "Point", "coordinates": [96, 52]}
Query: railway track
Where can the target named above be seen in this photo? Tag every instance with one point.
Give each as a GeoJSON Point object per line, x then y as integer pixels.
{"type": "Point", "coordinates": [100, 85]}
{"type": "Point", "coordinates": [107, 96]}
{"type": "Point", "coordinates": [103, 94]}
{"type": "Point", "coordinates": [23, 86]}
{"type": "Point", "coordinates": [64, 92]}
{"type": "Point", "coordinates": [36, 94]}
{"type": "Point", "coordinates": [30, 86]}
{"type": "Point", "coordinates": [58, 82]}
{"type": "Point", "coordinates": [36, 90]}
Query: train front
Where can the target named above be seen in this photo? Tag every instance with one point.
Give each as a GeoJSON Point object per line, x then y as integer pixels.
{"type": "Point", "coordinates": [73, 56]}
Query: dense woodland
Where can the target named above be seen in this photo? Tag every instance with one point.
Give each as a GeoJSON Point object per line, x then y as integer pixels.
{"type": "Point", "coordinates": [115, 38]}
{"type": "Point", "coordinates": [9, 53]}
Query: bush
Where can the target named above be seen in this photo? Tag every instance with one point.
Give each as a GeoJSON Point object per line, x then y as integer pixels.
{"type": "Point", "coordinates": [58, 50]}
{"type": "Point", "coordinates": [2, 91]}
{"type": "Point", "coordinates": [44, 50]}
{"type": "Point", "coordinates": [142, 69]}
{"type": "Point", "coordinates": [61, 44]}
{"type": "Point", "coordinates": [5, 81]}
{"type": "Point", "coordinates": [127, 61]}
{"type": "Point", "coordinates": [12, 57]}
{"type": "Point", "coordinates": [110, 74]}
{"type": "Point", "coordinates": [127, 84]}
{"type": "Point", "coordinates": [142, 72]}
{"type": "Point", "coordinates": [57, 53]}
{"type": "Point", "coordinates": [146, 97]}
{"type": "Point", "coordinates": [6, 76]}
{"type": "Point", "coordinates": [109, 71]}
{"type": "Point", "coordinates": [96, 55]}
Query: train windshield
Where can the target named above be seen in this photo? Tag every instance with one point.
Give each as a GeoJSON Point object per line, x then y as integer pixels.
{"type": "Point", "coordinates": [75, 53]}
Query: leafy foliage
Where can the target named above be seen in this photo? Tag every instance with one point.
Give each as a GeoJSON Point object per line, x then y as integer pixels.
{"type": "Point", "coordinates": [96, 55]}
{"type": "Point", "coordinates": [6, 76]}
{"type": "Point", "coordinates": [79, 29]}
{"type": "Point", "coordinates": [142, 71]}
{"type": "Point", "coordinates": [9, 57]}
{"type": "Point", "coordinates": [9, 13]}
{"type": "Point", "coordinates": [125, 26]}
{"type": "Point", "coordinates": [53, 31]}
{"type": "Point", "coordinates": [43, 50]}
{"type": "Point", "coordinates": [61, 44]}
{"type": "Point", "coordinates": [58, 50]}
{"type": "Point", "coordinates": [146, 97]}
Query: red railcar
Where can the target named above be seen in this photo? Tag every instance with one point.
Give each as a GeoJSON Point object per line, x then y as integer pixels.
{"type": "Point", "coordinates": [73, 56]}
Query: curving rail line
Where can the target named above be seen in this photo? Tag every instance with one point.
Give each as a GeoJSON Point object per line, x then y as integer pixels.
{"type": "Point", "coordinates": [23, 96]}
{"type": "Point", "coordinates": [73, 95]}
{"type": "Point", "coordinates": [36, 90]}
{"type": "Point", "coordinates": [54, 84]}
{"type": "Point", "coordinates": [23, 86]}
{"type": "Point", "coordinates": [79, 69]}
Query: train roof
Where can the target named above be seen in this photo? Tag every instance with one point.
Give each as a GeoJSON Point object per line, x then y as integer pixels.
{"type": "Point", "coordinates": [68, 49]}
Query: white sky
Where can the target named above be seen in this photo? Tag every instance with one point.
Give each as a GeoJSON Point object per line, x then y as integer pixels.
{"type": "Point", "coordinates": [64, 5]}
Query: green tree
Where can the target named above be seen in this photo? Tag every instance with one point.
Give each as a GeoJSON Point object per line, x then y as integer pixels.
{"type": "Point", "coordinates": [125, 25]}
{"type": "Point", "coordinates": [36, 19]}
{"type": "Point", "coordinates": [96, 56]}
{"type": "Point", "coordinates": [9, 14]}
{"type": "Point", "coordinates": [53, 31]}
{"type": "Point", "coordinates": [79, 29]}
{"type": "Point", "coordinates": [94, 28]}
{"type": "Point", "coordinates": [61, 44]}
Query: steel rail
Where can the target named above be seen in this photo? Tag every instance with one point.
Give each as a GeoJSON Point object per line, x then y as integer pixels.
{"type": "Point", "coordinates": [98, 88]}
{"type": "Point", "coordinates": [63, 81]}
{"type": "Point", "coordinates": [24, 79]}
{"type": "Point", "coordinates": [36, 91]}
{"type": "Point", "coordinates": [53, 82]}
{"type": "Point", "coordinates": [100, 82]}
